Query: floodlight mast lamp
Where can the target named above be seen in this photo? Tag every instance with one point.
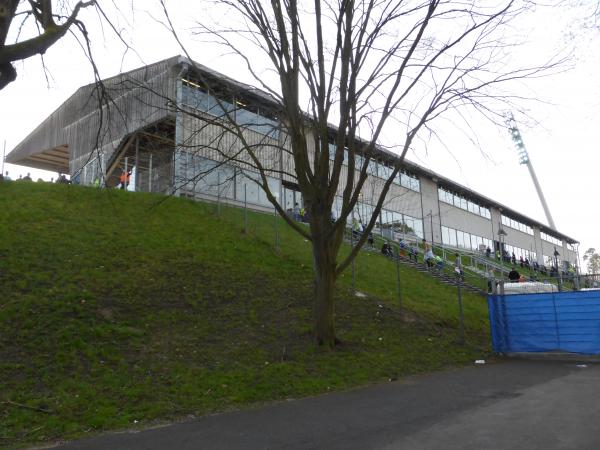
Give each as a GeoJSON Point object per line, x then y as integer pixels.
{"type": "Point", "coordinates": [524, 159]}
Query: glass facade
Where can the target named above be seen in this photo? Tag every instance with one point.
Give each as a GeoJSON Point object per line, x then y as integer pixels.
{"type": "Point", "coordinates": [401, 223]}
{"type": "Point", "coordinates": [551, 239]}
{"type": "Point", "coordinates": [462, 239]}
{"type": "Point", "coordinates": [549, 261]}
{"type": "Point", "coordinates": [388, 220]}
{"type": "Point", "coordinates": [381, 170]}
{"type": "Point", "coordinates": [520, 252]}
{"type": "Point", "coordinates": [221, 105]}
{"type": "Point", "coordinates": [221, 180]}
{"type": "Point", "coordinates": [509, 222]}
{"type": "Point", "coordinates": [461, 202]}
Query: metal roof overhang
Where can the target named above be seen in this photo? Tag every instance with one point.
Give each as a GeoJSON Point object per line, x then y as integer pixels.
{"type": "Point", "coordinates": [55, 159]}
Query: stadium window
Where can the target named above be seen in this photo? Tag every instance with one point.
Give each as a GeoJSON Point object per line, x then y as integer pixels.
{"type": "Point", "coordinates": [509, 222]}
{"type": "Point", "coordinates": [358, 162]}
{"type": "Point", "coordinates": [445, 235]}
{"type": "Point", "coordinates": [384, 171]}
{"type": "Point", "coordinates": [461, 202]}
{"type": "Point", "coordinates": [372, 167]}
{"type": "Point", "coordinates": [221, 104]}
{"type": "Point", "coordinates": [415, 184]}
{"type": "Point", "coordinates": [551, 239]}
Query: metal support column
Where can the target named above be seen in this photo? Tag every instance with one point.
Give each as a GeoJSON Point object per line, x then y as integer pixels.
{"type": "Point", "coordinates": [398, 280]}
{"type": "Point", "coordinates": [126, 167]}
{"type": "Point", "coordinates": [460, 310]}
{"type": "Point", "coordinates": [150, 174]}
{"type": "Point", "coordinates": [137, 163]}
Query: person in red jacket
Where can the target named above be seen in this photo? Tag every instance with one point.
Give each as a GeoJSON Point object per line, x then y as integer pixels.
{"type": "Point", "coordinates": [124, 179]}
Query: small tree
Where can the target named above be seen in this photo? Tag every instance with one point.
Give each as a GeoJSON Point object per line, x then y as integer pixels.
{"type": "Point", "coordinates": [367, 66]}
{"type": "Point", "coordinates": [593, 260]}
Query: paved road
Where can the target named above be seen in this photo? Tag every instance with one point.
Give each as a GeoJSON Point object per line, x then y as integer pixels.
{"type": "Point", "coordinates": [505, 405]}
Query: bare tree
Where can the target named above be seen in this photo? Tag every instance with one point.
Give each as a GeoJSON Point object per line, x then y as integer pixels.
{"type": "Point", "coordinates": [368, 67]}
{"type": "Point", "coordinates": [51, 21]}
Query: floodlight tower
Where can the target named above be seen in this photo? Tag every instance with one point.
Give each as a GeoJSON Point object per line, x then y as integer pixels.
{"type": "Point", "coordinates": [524, 159]}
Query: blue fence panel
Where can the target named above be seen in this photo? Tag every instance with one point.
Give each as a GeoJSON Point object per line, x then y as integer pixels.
{"type": "Point", "coordinates": [560, 321]}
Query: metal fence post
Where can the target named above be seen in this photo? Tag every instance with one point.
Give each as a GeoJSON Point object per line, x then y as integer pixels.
{"type": "Point", "coordinates": [398, 280]}
{"type": "Point", "coordinates": [136, 182]}
{"type": "Point", "coordinates": [218, 193]}
{"type": "Point", "coordinates": [276, 229]}
{"type": "Point", "coordinates": [245, 208]}
{"type": "Point", "coordinates": [460, 309]}
{"type": "Point", "coordinates": [150, 174]}
{"type": "Point", "coordinates": [126, 181]}
{"type": "Point", "coordinates": [351, 249]}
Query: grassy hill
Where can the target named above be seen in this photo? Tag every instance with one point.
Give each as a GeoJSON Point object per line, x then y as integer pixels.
{"type": "Point", "coordinates": [119, 310]}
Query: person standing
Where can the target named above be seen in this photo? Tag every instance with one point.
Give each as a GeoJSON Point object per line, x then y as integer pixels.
{"type": "Point", "coordinates": [123, 180]}
{"type": "Point", "coordinates": [355, 228]}
{"type": "Point", "coordinates": [429, 258]}
{"type": "Point", "coordinates": [491, 280]}
{"type": "Point", "coordinates": [458, 265]}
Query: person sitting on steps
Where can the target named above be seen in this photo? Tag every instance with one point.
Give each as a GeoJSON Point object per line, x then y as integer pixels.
{"type": "Point", "coordinates": [386, 249]}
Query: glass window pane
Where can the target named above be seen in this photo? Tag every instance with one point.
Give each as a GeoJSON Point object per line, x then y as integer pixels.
{"type": "Point", "coordinates": [456, 200]}
{"type": "Point", "coordinates": [331, 152]}
{"type": "Point", "coordinates": [372, 168]}
{"type": "Point", "coordinates": [445, 236]}
{"type": "Point", "coordinates": [358, 162]}
{"type": "Point", "coordinates": [415, 185]}
{"type": "Point", "coordinates": [453, 240]}
{"type": "Point", "coordinates": [405, 181]}
{"type": "Point", "coordinates": [384, 171]}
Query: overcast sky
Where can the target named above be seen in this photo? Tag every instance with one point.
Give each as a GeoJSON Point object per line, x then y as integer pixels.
{"type": "Point", "coordinates": [562, 141]}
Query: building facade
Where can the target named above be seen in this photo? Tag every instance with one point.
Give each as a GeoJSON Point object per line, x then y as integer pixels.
{"type": "Point", "coordinates": [181, 128]}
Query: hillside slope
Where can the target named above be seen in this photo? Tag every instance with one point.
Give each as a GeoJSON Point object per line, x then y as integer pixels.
{"type": "Point", "coordinates": [121, 309]}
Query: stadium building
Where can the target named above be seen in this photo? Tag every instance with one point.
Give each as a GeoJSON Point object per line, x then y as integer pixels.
{"type": "Point", "coordinates": [165, 123]}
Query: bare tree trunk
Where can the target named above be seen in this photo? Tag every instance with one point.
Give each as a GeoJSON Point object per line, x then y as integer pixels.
{"type": "Point", "coordinates": [324, 267]}
{"type": "Point", "coordinates": [325, 249]}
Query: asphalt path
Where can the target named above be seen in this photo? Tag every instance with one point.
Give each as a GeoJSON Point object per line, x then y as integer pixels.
{"type": "Point", "coordinates": [511, 404]}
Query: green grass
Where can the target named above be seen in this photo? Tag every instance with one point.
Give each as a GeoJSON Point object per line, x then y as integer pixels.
{"type": "Point", "coordinates": [122, 310]}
